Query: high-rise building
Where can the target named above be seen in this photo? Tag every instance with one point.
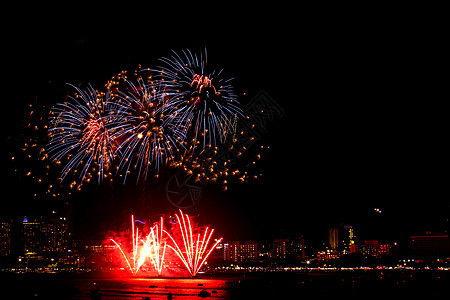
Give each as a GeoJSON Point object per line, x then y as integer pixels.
{"type": "Point", "coordinates": [31, 235]}
{"type": "Point", "coordinates": [333, 235]}
{"type": "Point", "coordinates": [430, 244]}
{"type": "Point", "coordinates": [293, 248]}
{"type": "Point", "coordinates": [5, 236]}
{"type": "Point", "coordinates": [343, 237]}
{"type": "Point", "coordinates": [296, 248]}
{"type": "Point", "coordinates": [47, 237]}
{"type": "Point", "coordinates": [280, 248]}
{"type": "Point", "coordinates": [62, 234]}
{"type": "Point", "coordinates": [45, 234]}
{"type": "Point", "coordinates": [240, 252]}
{"type": "Point", "coordinates": [374, 248]}
{"type": "Point", "coordinates": [54, 234]}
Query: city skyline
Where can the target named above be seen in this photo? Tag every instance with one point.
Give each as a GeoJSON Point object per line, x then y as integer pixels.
{"type": "Point", "coordinates": [53, 233]}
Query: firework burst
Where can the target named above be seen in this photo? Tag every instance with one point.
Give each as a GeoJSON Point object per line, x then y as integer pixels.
{"type": "Point", "coordinates": [79, 133]}
{"type": "Point", "coordinates": [146, 138]}
{"type": "Point", "coordinates": [183, 114]}
{"type": "Point", "coordinates": [202, 101]}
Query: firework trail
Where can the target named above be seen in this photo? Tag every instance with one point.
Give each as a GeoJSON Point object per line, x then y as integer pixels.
{"type": "Point", "coordinates": [79, 132]}
{"type": "Point", "coordinates": [146, 138]}
{"type": "Point", "coordinates": [151, 246]}
{"type": "Point", "coordinates": [156, 250]}
{"type": "Point", "coordinates": [202, 101]}
{"type": "Point", "coordinates": [193, 250]}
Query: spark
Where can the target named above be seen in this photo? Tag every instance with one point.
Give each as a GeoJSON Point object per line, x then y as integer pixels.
{"type": "Point", "coordinates": [195, 246]}
{"type": "Point", "coordinates": [202, 100]}
{"type": "Point", "coordinates": [146, 138]}
{"type": "Point", "coordinates": [192, 249]}
{"type": "Point", "coordinates": [79, 132]}
{"type": "Point", "coordinates": [151, 246]}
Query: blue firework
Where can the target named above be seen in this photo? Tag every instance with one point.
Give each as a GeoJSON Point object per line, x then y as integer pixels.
{"type": "Point", "coordinates": [200, 100]}
{"type": "Point", "coordinates": [145, 136]}
{"type": "Point", "coordinates": [80, 136]}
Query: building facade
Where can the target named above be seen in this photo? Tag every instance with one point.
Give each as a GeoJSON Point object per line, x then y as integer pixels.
{"type": "Point", "coordinates": [5, 236]}
{"type": "Point", "coordinates": [430, 244]}
{"type": "Point", "coordinates": [342, 237]}
{"type": "Point", "coordinates": [292, 249]}
{"type": "Point", "coordinates": [239, 252]}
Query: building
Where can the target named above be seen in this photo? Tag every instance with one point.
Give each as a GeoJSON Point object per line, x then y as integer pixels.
{"type": "Point", "coordinates": [296, 248]}
{"type": "Point", "coordinates": [31, 235]}
{"type": "Point", "coordinates": [430, 244]}
{"type": "Point", "coordinates": [374, 248]}
{"type": "Point", "coordinates": [240, 252]}
{"type": "Point", "coordinates": [342, 237]}
{"type": "Point", "coordinates": [98, 255]}
{"type": "Point", "coordinates": [55, 234]}
{"type": "Point", "coordinates": [280, 248]}
{"type": "Point", "coordinates": [293, 248]}
{"type": "Point", "coordinates": [328, 254]}
{"type": "Point", "coordinates": [333, 236]}
{"type": "Point", "coordinates": [5, 236]}
{"type": "Point", "coordinates": [45, 234]}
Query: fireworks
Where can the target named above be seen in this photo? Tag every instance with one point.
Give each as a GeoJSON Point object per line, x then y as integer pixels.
{"type": "Point", "coordinates": [145, 136]}
{"type": "Point", "coordinates": [142, 248]}
{"type": "Point", "coordinates": [195, 247]}
{"type": "Point", "coordinates": [182, 115]}
{"type": "Point", "coordinates": [192, 249]}
{"type": "Point", "coordinates": [201, 99]}
{"type": "Point", "coordinates": [79, 133]}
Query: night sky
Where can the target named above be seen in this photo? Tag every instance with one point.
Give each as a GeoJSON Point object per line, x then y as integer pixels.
{"type": "Point", "coordinates": [361, 128]}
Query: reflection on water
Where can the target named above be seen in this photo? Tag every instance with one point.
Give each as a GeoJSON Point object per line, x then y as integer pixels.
{"type": "Point", "coordinates": [278, 285]}
{"type": "Point", "coordinates": [154, 288]}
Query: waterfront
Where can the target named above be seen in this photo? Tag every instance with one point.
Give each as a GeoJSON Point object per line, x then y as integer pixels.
{"type": "Point", "coordinates": [270, 285]}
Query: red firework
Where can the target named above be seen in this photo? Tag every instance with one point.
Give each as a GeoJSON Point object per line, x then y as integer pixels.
{"type": "Point", "coordinates": [151, 247]}
{"type": "Point", "coordinates": [192, 249]}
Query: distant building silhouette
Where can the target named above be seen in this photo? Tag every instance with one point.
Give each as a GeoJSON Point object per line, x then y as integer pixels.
{"type": "Point", "coordinates": [293, 248]}
{"type": "Point", "coordinates": [430, 244]}
{"type": "Point", "coordinates": [5, 236]}
{"type": "Point", "coordinates": [374, 248]}
{"type": "Point", "coordinates": [34, 235]}
{"type": "Point", "coordinates": [31, 235]}
{"type": "Point", "coordinates": [342, 237]}
{"type": "Point", "coordinates": [240, 252]}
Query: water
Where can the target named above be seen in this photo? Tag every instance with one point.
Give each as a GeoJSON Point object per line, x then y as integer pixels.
{"type": "Point", "coordinates": [154, 288]}
{"type": "Point", "coordinates": [276, 285]}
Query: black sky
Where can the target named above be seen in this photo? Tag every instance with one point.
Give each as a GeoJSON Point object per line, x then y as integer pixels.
{"type": "Point", "coordinates": [359, 130]}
